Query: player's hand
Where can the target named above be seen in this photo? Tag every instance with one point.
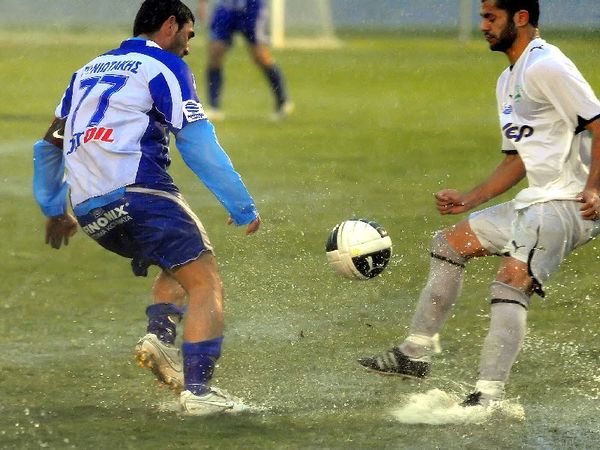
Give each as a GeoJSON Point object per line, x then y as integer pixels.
{"type": "Point", "coordinates": [59, 229]}
{"type": "Point", "coordinates": [590, 205]}
{"type": "Point", "coordinates": [450, 201]}
{"type": "Point", "coordinates": [252, 226]}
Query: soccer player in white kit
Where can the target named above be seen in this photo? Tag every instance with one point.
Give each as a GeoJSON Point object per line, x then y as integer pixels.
{"type": "Point", "coordinates": [111, 134]}
{"type": "Point", "coordinates": [550, 123]}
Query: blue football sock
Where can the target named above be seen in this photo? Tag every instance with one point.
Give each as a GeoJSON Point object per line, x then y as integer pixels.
{"type": "Point", "coordinates": [275, 78]}
{"type": "Point", "coordinates": [214, 78]}
{"type": "Point", "coordinates": [162, 321]}
{"type": "Point", "coordinates": [199, 360]}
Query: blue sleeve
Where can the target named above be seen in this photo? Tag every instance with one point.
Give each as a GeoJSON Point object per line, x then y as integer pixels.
{"type": "Point", "coordinates": [49, 185]}
{"type": "Point", "coordinates": [202, 152]}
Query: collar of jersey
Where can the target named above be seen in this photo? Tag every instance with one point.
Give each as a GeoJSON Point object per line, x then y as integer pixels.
{"type": "Point", "coordinates": [139, 42]}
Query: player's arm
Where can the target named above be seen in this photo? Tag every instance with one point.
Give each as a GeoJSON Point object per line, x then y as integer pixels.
{"type": "Point", "coordinates": [197, 142]}
{"type": "Point", "coordinates": [590, 208]}
{"type": "Point", "coordinates": [50, 187]}
{"type": "Point", "coordinates": [55, 133]}
{"type": "Point", "coordinates": [202, 152]}
{"type": "Point", "coordinates": [506, 175]}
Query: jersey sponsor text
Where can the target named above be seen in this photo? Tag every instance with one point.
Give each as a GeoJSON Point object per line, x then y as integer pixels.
{"type": "Point", "coordinates": [516, 132]}
{"type": "Point", "coordinates": [107, 221]}
{"type": "Point", "coordinates": [91, 134]}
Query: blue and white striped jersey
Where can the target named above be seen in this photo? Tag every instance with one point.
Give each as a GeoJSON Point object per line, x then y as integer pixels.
{"type": "Point", "coordinates": [150, 92]}
{"type": "Point", "coordinates": [119, 110]}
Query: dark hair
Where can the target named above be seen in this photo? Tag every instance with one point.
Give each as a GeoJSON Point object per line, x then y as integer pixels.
{"type": "Point", "coordinates": [153, 13]}
{"type": "Point", "coordinates": [512, 6]}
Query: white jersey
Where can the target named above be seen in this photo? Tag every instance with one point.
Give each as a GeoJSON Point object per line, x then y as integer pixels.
{"type": "Point", "coordinates": [544, 103]}
{"type": "Point", "coordinates": [150, 92]}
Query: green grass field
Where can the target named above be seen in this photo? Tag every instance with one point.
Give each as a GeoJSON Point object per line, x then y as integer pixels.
{"type": "Point", "coordinates": [381, 124]}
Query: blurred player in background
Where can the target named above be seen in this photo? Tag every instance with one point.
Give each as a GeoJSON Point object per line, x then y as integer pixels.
{"type": "Point", "coordinates": [111, 134]}
{"type": "Point", "coordinates": [250, 18]}
{"type": "Point", "coordinates": [550, 120]}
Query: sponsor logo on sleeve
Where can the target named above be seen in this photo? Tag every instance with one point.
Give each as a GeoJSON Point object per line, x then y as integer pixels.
{"type": "Point", "coordinates": [193, 110]}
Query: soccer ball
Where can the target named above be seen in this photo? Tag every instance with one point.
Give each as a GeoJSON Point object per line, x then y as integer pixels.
{"type": "Point", "coordinates": [358, 249]}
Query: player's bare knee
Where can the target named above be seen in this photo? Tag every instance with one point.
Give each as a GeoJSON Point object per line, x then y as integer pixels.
{"type": "Point", "coordinates": [516, 277]}
{"type": "Point", "coordinates": [442, 250]}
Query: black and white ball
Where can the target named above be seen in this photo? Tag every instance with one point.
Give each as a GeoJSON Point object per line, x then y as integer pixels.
{"type": "Point", "coordinates": [359, 249]}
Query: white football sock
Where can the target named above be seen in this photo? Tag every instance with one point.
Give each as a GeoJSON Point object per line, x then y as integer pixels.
{"type": "Point", "coordinates": [508, 324]}
{"type": "Point", "coordinates": [437, 298]}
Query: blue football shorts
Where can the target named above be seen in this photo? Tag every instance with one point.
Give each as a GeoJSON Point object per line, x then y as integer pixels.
{"type": "Point", "coordinates": [151, 227]}
{"type": "Point", "coordinates": [251, 22]}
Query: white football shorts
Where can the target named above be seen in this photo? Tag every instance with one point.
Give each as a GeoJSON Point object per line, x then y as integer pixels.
{"type": "Point", "coordinates": [541, 235]}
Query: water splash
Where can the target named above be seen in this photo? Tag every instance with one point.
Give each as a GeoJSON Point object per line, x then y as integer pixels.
{"type": "Point", "coordinates": [169, 406]}
{"type": "Point", "coordinates": [436, 407]}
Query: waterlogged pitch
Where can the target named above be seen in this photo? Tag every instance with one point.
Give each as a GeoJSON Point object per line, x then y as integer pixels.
{"type": "Point", "coordinates": [380, 125]}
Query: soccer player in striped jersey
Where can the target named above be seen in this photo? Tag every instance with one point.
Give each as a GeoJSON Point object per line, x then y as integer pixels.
{"type": "Point", "coordinates": [111, 134]}
{"type": "Point", "coordinates": [250, 19]}
{"type": "Point", "coordinates": [550, 124]}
